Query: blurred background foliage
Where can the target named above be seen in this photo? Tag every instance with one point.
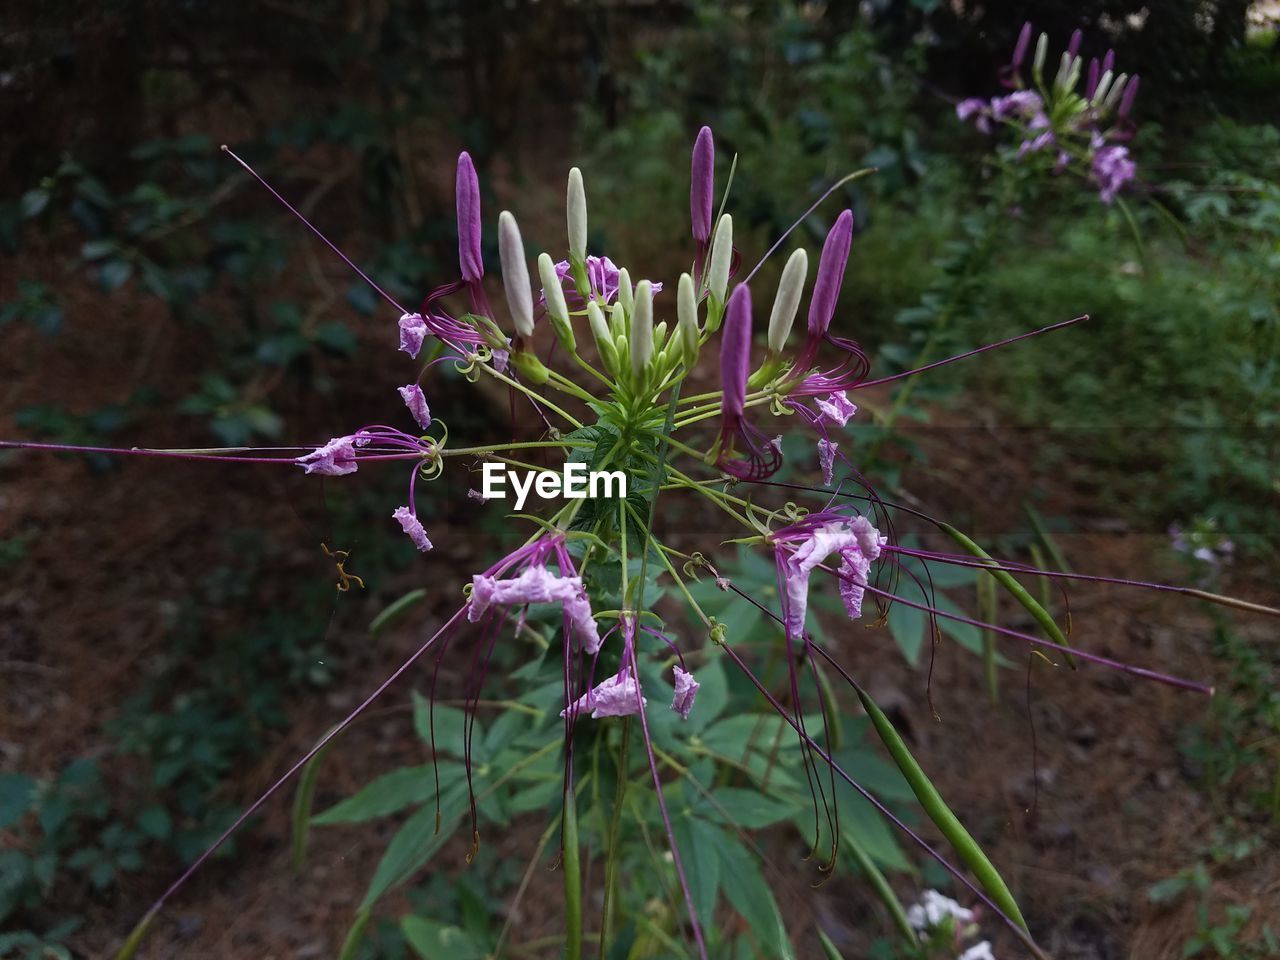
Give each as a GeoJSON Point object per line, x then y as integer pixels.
{"type": "Point", "coordinates": [120, 217]}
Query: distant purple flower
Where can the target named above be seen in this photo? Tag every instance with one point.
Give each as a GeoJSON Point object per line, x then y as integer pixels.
{"type": "Point", "coordinates": [413, 527]}
{"type": "Point", "coordinates": [702, 185]}
{"type": "Point", "coordinates": [686, 690]}
{"type": "Point", "coordinates": [1020, 103]}
{"type": "Point", "coordinates": [1044, 138]}
{"type": "Point", "coordinates": [1113, 169]}
{"type": "Point", "coordinates": [416, 401]}
{"type": "Point", "coordinates": [827, 459]}
{"type": "Point", "coordinates": [337, 458]}
{"type": "Point", "coordinates": [975, 106]}
{"type": "Point", "coordinates": [837, 408]}
{"type": "Point", "coordinates": [467, 193]}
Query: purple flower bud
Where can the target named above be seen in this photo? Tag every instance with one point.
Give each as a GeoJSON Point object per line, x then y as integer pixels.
{"type": "Point", "coordinates": [1091, 85]}
{"type": "Point", "coordinates": [1130, 94]}
{"type": "Point", "coordinates": [735, 351]}
{"type": "Point", "coordinates": [412, 526]}
{"type": "Point", "coordinates": [703, 184]}
{"type": "Point", "coordinates": [1073, 47]}
{"type": "Point", "coordinates": [467, 191]}
{"type": "Point", "coordinates": [1108, 61]}
{"type": "Point", "coordinates": [416, 401]}
{"type": "Point", "coordinates": [831, 267]}
{"type": "Point", "coordinates": [1020, 49]}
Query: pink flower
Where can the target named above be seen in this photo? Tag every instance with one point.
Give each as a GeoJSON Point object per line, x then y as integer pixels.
{"type": "Point", "coordinates": [537, 584]}
{"type": "Point", "coordinates": [837, 408]}
{"type": "Point", "coordinates": [602, 274]}
{"type": "Point", "coordinates": [618, 696]}
{"type": "Point", "coordinates": [413, 527]}
{"type": "Point", "coordinates": [686, 690]}
{"type": "Point", "coordinates": [336, 458]}
{"type": "Point", "coordinates": [416, 401]}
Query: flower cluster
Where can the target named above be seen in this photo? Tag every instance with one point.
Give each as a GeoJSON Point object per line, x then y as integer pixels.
{"type": "Point", "coordinates": [1081, 120]}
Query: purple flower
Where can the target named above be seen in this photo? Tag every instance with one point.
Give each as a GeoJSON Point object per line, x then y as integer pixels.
{"type": "Point", "coordinates": [413, 527]}
{"type": "Point", "coordinates": [837, 408]}
{"type": "Point", "coordinates": [537, 584]}
{"type": "Point", "coordinates": [827, 459]}
{"type": "Point", "coordinates": [702, 185]}
{"type": "Point", "coordinates": [1113, 169]}
{"type": "Point", "coordinates": [1041, 140]}
{"type": "Point", "coordinates": [975, 106]}
{"type": "Point", "coordinates": [602, 274]}
{"type": "Point", "coordinates": [467, 192]}
{"type": "Point", "coordinates": [336, 458]}
{"type": "Point", "coordinates": [416, 401]}
{"type": "Point", "coordinates": [618, 696]}
{"type": "Point", "coordinates": [413, 330]}
{"type": "Point", "coordinates": [801, 547]}
{"type": "Point", "coordinates": [686, 690]}
{"type": "Point", "coordinates": [831, 267]}
{"type": "Point", "coordinates": [1020, 103]}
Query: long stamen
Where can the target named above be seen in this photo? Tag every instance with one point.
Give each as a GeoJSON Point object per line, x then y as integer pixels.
{"type": "Point", "coordinates": [308, 224]}
{"type": "Point", "coordinates": [973, 353]}
{"type": "Point", "coordinates": [138, 931]}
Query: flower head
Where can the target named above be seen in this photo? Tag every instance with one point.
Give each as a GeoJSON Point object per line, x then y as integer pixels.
{"type": "Point", "coordinates": [337, 458]}
{"type": "Point", "coordinates": [686, 690]}
{"type": "Point", "coordinates": [1113, 169]}
{"type": "Point", "coordinates": [806, 544]}
{"type": "Point", "coordinates": [837, 408]}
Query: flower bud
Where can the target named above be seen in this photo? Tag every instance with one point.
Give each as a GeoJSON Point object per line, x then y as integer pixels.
{"type": "Point", "coordinates": [702, 185]}
{"type": "Point", "coordinates": [831, 267]}
{"type": "Point", "coordinates": [515, 274]}
{"type": "Point", "coordinates": [687, 319]}
{"type": "Point", "coordinates": [1130, 94]}
{"type": "Point", "coordinates": [787, 300]}
{"type": "Point", "coordinates": [1108, 61]}
{"type": "Point", "coordinates": [557, 309]}
{"type": "Point", "coordinates": [1020, 49]}
{"type": "Point", "coordinates": [467, 198]}
{"type": "Point", "coordinates": [1091, 84]}
{"type": "Point", "coordinates": [735, 351]}
{"type": "Point", "coordinates": [1042, 51]}
{"type": "Point", "coordinates": [576, 210]}
{"type": "Point", "coordinates": [1073, 45]}
{"type": "Point", "coordinates": [1116, 92]}
{"type": "Point", "coordinates": [642, 330]}
{"type": "Point", "coordinates": [617, 321]}
{"type": "Point", "coordinates": [721, 257]}
{"type": "Point", "coordinates": [625, 291]}
{"type": "Point", "coordinates": [603, 337]}
{"type": "Point", "coordinates": [1104, 86]}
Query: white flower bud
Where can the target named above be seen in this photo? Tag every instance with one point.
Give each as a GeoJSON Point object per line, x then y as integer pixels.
{"type": "Point", "coordinates": [787, 300]}
{"type": "Point", "coordinates": [553, 294]}
{"type": "Point", "coordinates": [1042, 51]}
{"type": "Point", "coordinates": [626, 295]}
{"type": "Point", "coordinates": [576, 209]}
{"type": "Point", "coordinates": [642, 329]}
{"type": "Point", "coordinates": [1115, 93]}
{"type": "Point", "coordinates": [687, 319]}
{"type": "Point", "coordinates": [721, 256]}
{"type": "Point", "coordinates": [515, 274]}
{"type": "Point", "coordinates": [1104, 85]}
{"type": "Point", "coordinates": [659, 336]}
{"type": "Point", "coordinates": [603, 336]}
{"type": "Point", "coordinates": [617, 321]}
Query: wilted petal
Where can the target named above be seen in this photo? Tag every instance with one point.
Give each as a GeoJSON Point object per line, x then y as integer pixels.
{"type": "Point", "coordinates": [837, 408]}
{"type": "Point", "coordinates": [336, 458]}
{"type": "Point", "coordinates": [416, 401]}
{"type": "Point", "coordinates": [413, 330]}
{"type": "Point", "coordinates": [686, 690]}
{"type": "Point", "coordinates": [827, 459]}
{"type": "Point", "coordinates": [413, 527]}
{"type": "Point", "coordinates": [617, 697]}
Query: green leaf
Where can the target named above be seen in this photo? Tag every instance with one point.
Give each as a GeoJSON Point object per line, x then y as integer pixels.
{"type": "Point", "coordinates": [432, 940]}
{"type": "Point", "coordinates": [155, 822]}
{"type": "Point", "coordinates": [393, 612]}
{"type": "Point", "coordinates": [391, 793]}
{"type": "Point", "coordinates": [747, 890]}
{"type": "Point", "coordinates": [749, 809]}
{"type": "Point", "coordinates": [416, 842]}
{"type": "Point", "coordinates": [17, 791]}
{"type": "Point", "coordinates": [906, 625]}
{"type": "Point", "coordinates": [698, 843]}
{"type": "Point", "coordinates": [449, 724]}
{"type": "Point", "coordinates": [713, 695]}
